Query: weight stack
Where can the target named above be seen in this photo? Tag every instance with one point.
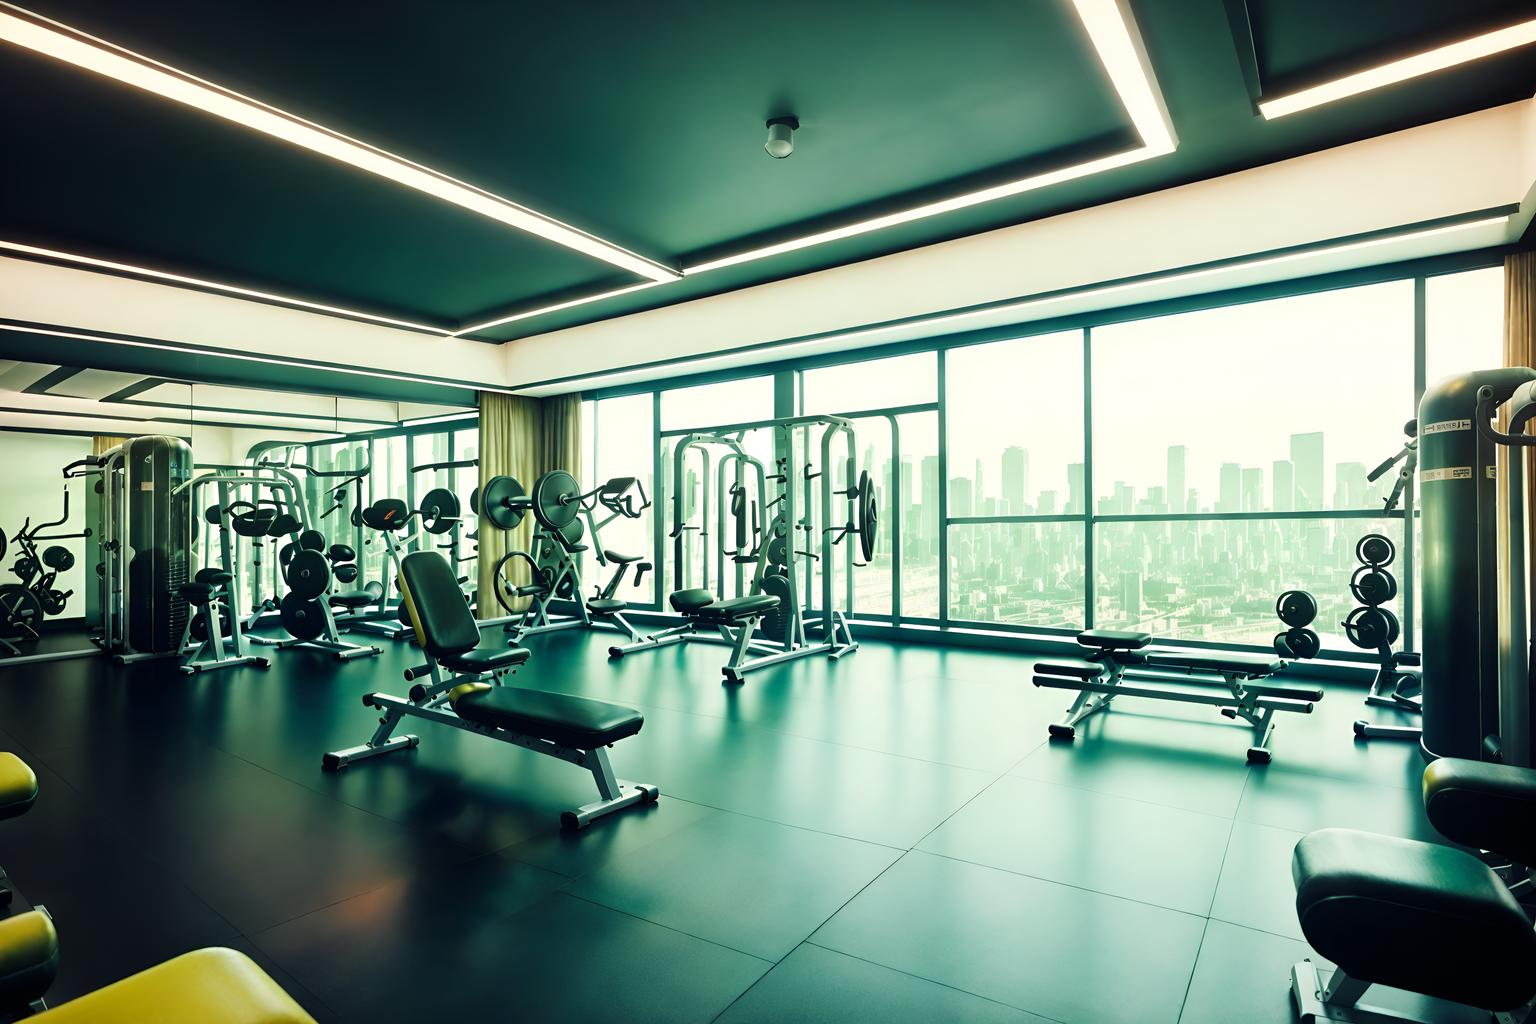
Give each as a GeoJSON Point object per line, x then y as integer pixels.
{"type": "Point", "coordinates": [159, 535]}
{"type": "Point", "coordinates": [1461, 570]}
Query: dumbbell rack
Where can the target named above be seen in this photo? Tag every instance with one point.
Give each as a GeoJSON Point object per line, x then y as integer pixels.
{"type": "Point", "coordinates": [1372, 626]}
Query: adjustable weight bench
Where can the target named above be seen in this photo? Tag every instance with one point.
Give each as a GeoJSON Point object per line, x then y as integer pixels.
{"type": "Point", "coordinates": [1120, 660]}
{"type": "Point", "coordinates": [736, 619]}
{"type": "Point", "coordinates": [574, 729]}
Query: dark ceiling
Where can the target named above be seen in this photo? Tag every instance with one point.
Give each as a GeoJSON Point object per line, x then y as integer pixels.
{"type": "Point", "coordinates": [644, 124]}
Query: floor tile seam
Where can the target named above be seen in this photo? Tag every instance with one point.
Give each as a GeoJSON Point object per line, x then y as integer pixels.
{"type": "Point", "coordinates": [770, 964]}
{"type": "Point", "coordinates": [308, 991]}
{"type": "Point", "coordinates": [1189, 983]}
{"type": "Point", "coordinates": [506, 851]}
{"type": "Point", "coordinates": [1225, 850]}
{"type": "Point", "coordinates": [933, 981]}
{"type": "Point", "coordinates": [1291, 769]}
{"type": "Point", "coordinates": [1120, 796]}
{"type": "Point", "coordinates": [1065, 885]}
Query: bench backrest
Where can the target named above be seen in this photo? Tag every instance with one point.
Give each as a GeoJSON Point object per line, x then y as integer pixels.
{"type": "Point", "coordinates": [436, 606]}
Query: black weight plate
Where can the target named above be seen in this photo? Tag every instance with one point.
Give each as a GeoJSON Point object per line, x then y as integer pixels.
{"type": "Point", "coordinates": [1372, 586]}
{"type": "Point", "coordinates": [213, 515]}
{"type": "Point", "coordinates": [58, 557]}
{"type": "Point", "coordinates": [356, 516]}
{"type": "Point", "coordinates": [1375, 549]}
{"type": "Point", "coordinates": [474, 500]}
{"type": "Point", "coordinates": [1303, 642]}
{"type": "Point", "coordinates": [53, 601]}
{"type": "Point", "coordinates": [572, 532]}
{"type": "Point", "coordinates": [1296, 608]}
{"type": "Point", "coordinates": [1394, 628]}
{"type": "Point", "coordinates": [1283, 646]}
{"type": "Point", "coordinates": [25, 568]}
{"type": "Point", "coordinates": [286, 552]}
{"type": "Point", "coordinates": [20, 612]}
{"type": "Point", "coordinates": [439, 510]}
{"type": "Point", "coordinates": [312, 540]}
{"type": "Point", "coordinates": [308, 575]}
{"type": "Point", "coordinates": [4, 542]}
{"type": "Point", "coordinates": [567, 588]}
{"type": "Point", "coordinates": [554, 496]}
{"type": "Point", "coordinates": [303, 619]}
{"type": "Point", "coordinates": [776, 622]}
{"type": "Point", "coordinates": [346, 572]}
{"type": "Point", "coordinates": [341, 553]}
{"type": "Point", "coordinates": [507, 583]}
{"type": "Point", "coordinates": [498, 502]}
{"type": "Point", "coordinates": [1368, 627]}
{"type": "Point", "coordinates": [777, 550]}
{"type": "Point", "coordinates": [868, 524]}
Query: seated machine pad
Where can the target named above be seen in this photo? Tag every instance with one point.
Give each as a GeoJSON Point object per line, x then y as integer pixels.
{"type": "Point", "coordinates": [29, 957]}
{"type": "Point", "coordinates": [688, 601]}
{"type": "Point", "coordinates": [18, 785]}
{"type": "Point", "coordinates": [353, 599]}
{"type": "Point", "coordinates": [606, 605]}
{"type": "Point", "coordinates": [578, 722]}
{"type": "Point", "coordinates": [614, 556]}
{"type": "Point", "coordinates": [1413, 915]}
{"type": "Point", "coordinates": [1483, 805]}
{"type": "Point", "coordinates": [738, 609]}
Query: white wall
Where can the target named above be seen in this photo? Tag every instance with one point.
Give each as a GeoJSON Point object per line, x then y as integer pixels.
{"type": "Point", "coordinates": [34, 486]}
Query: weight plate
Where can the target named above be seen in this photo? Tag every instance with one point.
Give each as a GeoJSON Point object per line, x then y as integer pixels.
{"type": "Point", "coordinates": [212, 515]}
{"type": "Point", "coordinates": [567, 588]}
{"type": "Point", "coordinates": [777, 550]}
{"type": "Point", "coordinates": [25, 568]}
{"type": "Point", "coordinates": [20, 612]}
{"type": "Point", "coordinates": [1303, 642]}
{"type": "Point", "coordinates": [1375, 549]}
{"type": "Point", "coordinates": [776, 622]}
{"type": "Point", "coordinates": [56, 556]}
{"type": "Point", "coordinates": [356, 516]}
{"type": "Point", "coordinates": [498, 502]}
{"type": "Point", "coordinates": [1394, 628]}
{"type": "Point", "coordinates": [474, 500]}
{"type": "Point", "coordinates": [386, 514]}
{"type": "Point", "coordinates": [554, 499]}
{"type": "Point", "coordinates": [868, 509]}
{"type": "Point", "coordinates": [286, 552]}
{"type": "Point", "coordinates": [3, 544]}
{"type": "Point", "coordinates": [312, 540]}
{"type": "Point", "coordinates": [341, 553]}
{"type": "Point", "coordinates": [507, 578]}
{"type": "Point", "coordinates": [1283, 646]}
{"type": "Point", "coordinates": [346, 572]}
{"type": "Point", "coordinates": [1372, 586]}
{"type": "Point", "coordinates": [439, 510]}
{"type": "Point", "coordinates": [1369, 627]}
{"type": "Point", "coordinates": [1296, 608]}
{"type": "Point", "coordinates": [53, 601]}
{"type": "Point", "coordinates": [304, 619]}
{"type": "Point", "coordinates": [308, 575]}
{"type": "Point", "coordinates": [572, 532]}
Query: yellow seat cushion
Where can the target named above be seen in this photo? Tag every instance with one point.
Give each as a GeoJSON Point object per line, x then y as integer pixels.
{"type": "Point", "coordinates": [29, 957]}
{"type": "Point", "coordinates": [18, 785]}
{"type": "Point", "coordinates": [208, 986]}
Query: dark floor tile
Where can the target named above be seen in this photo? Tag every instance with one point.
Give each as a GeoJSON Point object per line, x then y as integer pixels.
{"type": "Point", "coordinates": [609, 840]}
{"type": "Point", "coordinates": [1256, 890]}
{"type": "Point", "coordinates": [301, 995]}
{"type": "Point", "coordinates": [1129, 848]}
{"type": "Point", "coordinates": [1067, 953]}
{"type": "Point", "coordinates": [1302, 802]}
{"type": "Point", "coordinates": [819, 986]}
{"type": "Point", "coordinates": [746, 883]}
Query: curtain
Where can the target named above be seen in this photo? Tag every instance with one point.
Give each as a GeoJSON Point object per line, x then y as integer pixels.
{"type": "Point", "coordinates": [523, 438]}
{"type": "Point", "coordinates": [103, 443]}
{"type": "Point", "coordinates": [1519, 350]}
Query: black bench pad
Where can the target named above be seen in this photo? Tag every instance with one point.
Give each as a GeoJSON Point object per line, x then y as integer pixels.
{"type": "Point", "coordinates": [1114, 639]}
{"type": "Point", "coordinates": [1482, 805]}
{"type": "Point", "coordinates": [606, 605]}
{"type": "Point", "coordinates": [486, 659]}
{"type": "Point", "coordinates": [1253, 665]}
{"type": "Point", "coordinates": [1412, 915]}
{"type": "Point", "coordinates": [558, 717]}
{"type": "Point", "coordinates": [1047, 668]}
{"type": "Point", "coordinates": [738, 609]}
{"type": "Point", "coordinates": [689, 601]}
{"type": "Point", "coordinates": [352, 599]}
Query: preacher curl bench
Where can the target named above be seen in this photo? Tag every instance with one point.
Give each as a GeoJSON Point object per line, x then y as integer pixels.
{"type": "Point", "coordinates": [574, 729]}
{"type": "Point", "coordinates": [1118, 660]}
{"type": "Point", "coordinates": [1423, 917]}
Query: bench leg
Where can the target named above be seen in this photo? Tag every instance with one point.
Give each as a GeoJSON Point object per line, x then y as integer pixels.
{"type": "Point", "coordinates": [382, 742]}
{"type": "Point", "coordinates": [616, 794]}
{"type": "Point", "coordinates": [1086, 704]}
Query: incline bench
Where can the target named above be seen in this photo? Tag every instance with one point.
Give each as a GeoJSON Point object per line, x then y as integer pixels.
{"type": "Point", "coordinates": [1119, 660]}
{"type": "Point", "coordinates": [574, 729]}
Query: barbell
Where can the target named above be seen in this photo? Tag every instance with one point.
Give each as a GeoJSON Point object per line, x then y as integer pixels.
{"type": "Point", "coordinates": [502, 502]}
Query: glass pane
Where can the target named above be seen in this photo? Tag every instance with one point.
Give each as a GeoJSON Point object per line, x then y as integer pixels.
{"type": "Point", "coordinates": [919, 516]}
{"type": "Point", "coordinates": [708, 405]}
{"type": "Point", "coordinates": [1015, 422]}
{"type": "Point", "coordinates": [623, 444]}
{"type": "Point", "coordinates": [1022, 574]}
{"type": "Point", "coordinates": [701, 554]}
{"type": "Point", "coordinates": [874, 384]}
{"type": "Point", "coordinates": [1217, 580]}
{"type": "Point", "coordinates": [1270, 406]}
{"type": "Point", "coordinates": [1463, 323]}
{"type": "Point", "coordinates": [428, 450]}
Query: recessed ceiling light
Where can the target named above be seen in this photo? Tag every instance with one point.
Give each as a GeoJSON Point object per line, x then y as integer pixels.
{"type": "Point", "coordinates": [63, 43]}
{"type": "Point", "coordinates": [1428, 62]}
{"type": "Point", "coordinates": [568, 304]}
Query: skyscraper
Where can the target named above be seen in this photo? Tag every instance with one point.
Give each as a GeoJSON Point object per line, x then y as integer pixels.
{"type": "Point", "coordinates": [960, 497]}
{"type": "Point", "coordinates": [1075, 506]}
{"type": "Point", "coordinates": [1177, 455]}
{"type": "Point", "coordinates": [1015, 479]}
{"type": "Point", "coordinates": [1253, 490]}
{"type": "Point", "coordinates": [1349, 486]}
{"type": "Point", "coordinates": [1283, 480]}
{"type": "Point", "coordinates": [1229, 494]}
{"type": "Point", "coordinates": [1307, 458]}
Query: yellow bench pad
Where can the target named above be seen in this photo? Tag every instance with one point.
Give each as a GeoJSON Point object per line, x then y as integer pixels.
{"type": "Point", "coordinates": [208, 986]}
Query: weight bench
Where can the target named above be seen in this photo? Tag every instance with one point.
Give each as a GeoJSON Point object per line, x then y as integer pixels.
{"type": "Point", "coordinates": [574, 729]}
{"type": "Point", "coordinates": [736, 619]}
{"type": "Point", "coordinates": [1120, 660]}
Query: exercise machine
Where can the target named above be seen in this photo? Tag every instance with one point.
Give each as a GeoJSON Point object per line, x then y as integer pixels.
{"type": "Point", "coordinates": [765, 622]}
{"type": "Point", "coordinates": [1124, 664]}
{"type": "Point", "coordinates": [465, 692]}
{"type": "Point", "coordinates": [1423, 917]}
{"type": "Point", "coordinates": [35, 596]}
{"type": "Point", "coordinates": [1477, 686]}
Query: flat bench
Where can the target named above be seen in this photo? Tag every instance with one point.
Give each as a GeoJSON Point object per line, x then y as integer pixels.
{"type": "Point", "coordinates": [1123, 663]}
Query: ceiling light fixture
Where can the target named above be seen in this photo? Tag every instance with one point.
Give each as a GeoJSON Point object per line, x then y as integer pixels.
{"type": "Point", "coordinates": [198, 282]}
{"type": "Point", "coordinates": [59, 41]}
{"type": "Point", "coordinates": [777, 350]}
{"type": "Point", "coordinates": [568, 304]}
{"type": "Point", "coordinates": [781, 136]}
{"type": "Point", "coordinates": [1393, 72]}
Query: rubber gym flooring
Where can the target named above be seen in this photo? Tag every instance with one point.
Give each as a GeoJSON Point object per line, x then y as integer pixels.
{"type": "Point", "coordinates": [885, 838]}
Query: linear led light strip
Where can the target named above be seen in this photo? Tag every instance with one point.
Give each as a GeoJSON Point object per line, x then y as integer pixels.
{"type": "Point", "coordinates": [1113, 33]}
{"type": "Point", "coordinates": [1428, 62]}
{"type": "Point", "coordinates": [61, 42]}
{"type": "Point", "coordinates": [252, 358]}
{"type": "Point", "coordinates": [197, 282]}
{"type": "Point", "coordinates": [869, 333]}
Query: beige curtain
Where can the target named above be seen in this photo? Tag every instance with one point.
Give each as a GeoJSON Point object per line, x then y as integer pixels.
{"type": "Point", "coordinates": [1519, 350]}
{"type": "Point", "coordinates": [103, 443]}
{"type": "Point", "coordinates": [524, 438]}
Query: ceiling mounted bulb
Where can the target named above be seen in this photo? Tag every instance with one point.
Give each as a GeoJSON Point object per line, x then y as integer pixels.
{"type": "Point", "coordinates": [781, 136]}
